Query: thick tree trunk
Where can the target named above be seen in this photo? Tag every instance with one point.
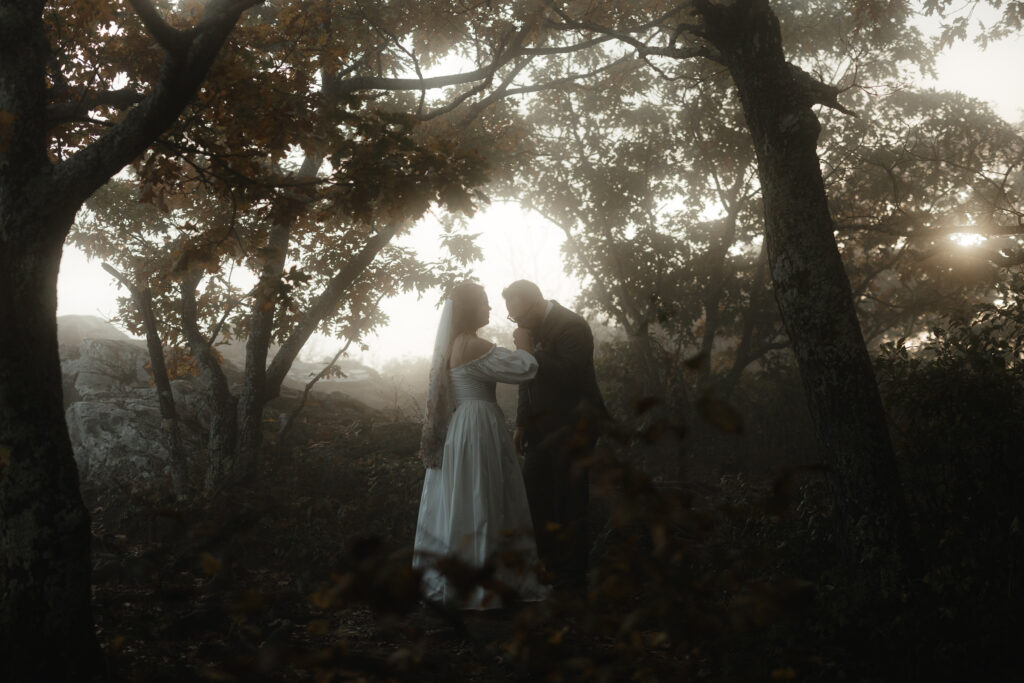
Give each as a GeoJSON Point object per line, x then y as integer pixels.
{"type": "Point", "coordinates": [813, 292]}
{"type": "Point", "coordinates": [46, 630]}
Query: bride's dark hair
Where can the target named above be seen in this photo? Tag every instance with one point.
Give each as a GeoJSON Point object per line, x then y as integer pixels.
{"type": "Point", "coordinates": [466, 297]}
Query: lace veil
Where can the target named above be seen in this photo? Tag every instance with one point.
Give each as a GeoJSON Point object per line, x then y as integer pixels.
{"type": "Point", "coordinates": [440, 402]}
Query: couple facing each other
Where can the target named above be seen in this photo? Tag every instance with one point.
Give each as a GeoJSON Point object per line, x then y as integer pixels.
{"type": "Point", "coordinates": [478, 504]}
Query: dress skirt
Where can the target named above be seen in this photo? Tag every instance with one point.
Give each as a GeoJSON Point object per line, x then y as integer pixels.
{"type": "Point", "coordinates": [474, 516]}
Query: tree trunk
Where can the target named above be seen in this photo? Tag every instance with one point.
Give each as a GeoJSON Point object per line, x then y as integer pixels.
{"type": "Point", "coordinates": [46, 630]}
{"type": "Point", "coordinates": [171, 427]}
{"type": "Point", "coordinates": [714, 292]}
{"type": "Point", "coordinates": [814, 295]}
{"type": "Point", "coordinates": [322, 306]}
{"type": "Point", "coordinates": [746, 353]}
{"type": "Point", "coordinates": [168, 411]}
{"type": "Point", "coordinates": [255, 390]}
{"type": "Point", "coordinates": [253, 396]}
{"type": "Point", "coordinates": [222, 444]}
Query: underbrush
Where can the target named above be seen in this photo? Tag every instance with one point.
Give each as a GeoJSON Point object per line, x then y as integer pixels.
{"type": "Point", "coordinates": [729, 573]}
{"type": "Point", "coordinates": [956, 406]}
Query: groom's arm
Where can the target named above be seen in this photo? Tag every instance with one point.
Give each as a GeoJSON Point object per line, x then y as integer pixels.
{"type": "Point", "coordinates": [523, 405]}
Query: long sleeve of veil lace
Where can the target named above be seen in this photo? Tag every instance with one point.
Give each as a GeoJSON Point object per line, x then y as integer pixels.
{"type": "Point", "coordinates": [440, 402]}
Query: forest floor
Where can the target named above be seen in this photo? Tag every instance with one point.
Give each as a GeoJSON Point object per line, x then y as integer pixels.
{"type": "Point", "coordinates": [304, 574]}
{"type": "Point", "coordinates": [299, 576]}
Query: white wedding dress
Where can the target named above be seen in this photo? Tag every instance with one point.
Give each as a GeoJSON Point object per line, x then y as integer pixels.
{"type": "Point", "coordinates": [474, 507]}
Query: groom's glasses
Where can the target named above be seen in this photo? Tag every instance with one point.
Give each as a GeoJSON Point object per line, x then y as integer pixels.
{"type": "Point", "coordinates": [516, 318]}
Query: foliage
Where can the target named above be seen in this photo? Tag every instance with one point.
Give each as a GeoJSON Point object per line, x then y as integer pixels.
{"type": "Point", "coordinates": [956, 403]}
{"type": "Point", "coordinates": [1007, 18]}
{"type": "Point", "coordinates": [919, 172]}
{"type": "Point", "coordinates": [662, 212]}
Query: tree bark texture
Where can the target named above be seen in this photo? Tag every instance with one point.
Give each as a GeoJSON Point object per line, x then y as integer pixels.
{"type": "Point", "coordinates": [813, 292]}
{"type": "Point", "coordinates": [46, 628]}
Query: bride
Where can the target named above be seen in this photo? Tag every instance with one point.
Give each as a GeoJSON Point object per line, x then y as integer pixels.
{"type": "Point", "coordinates": [473, 509]}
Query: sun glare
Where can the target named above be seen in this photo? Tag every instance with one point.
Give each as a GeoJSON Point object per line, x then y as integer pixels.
{"type": "Point", "coordinates": [967, 239]}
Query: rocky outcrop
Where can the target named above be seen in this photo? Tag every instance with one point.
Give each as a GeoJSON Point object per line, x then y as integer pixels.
{"type": "Point", "coordinates": [112, 412]}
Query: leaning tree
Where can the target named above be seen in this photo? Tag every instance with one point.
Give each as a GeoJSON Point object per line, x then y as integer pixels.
{"type": "Point", "coordinates": [777, 98]}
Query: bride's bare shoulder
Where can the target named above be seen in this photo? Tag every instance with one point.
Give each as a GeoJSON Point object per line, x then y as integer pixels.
{"type": "Point", "coordinates": [468, 347]}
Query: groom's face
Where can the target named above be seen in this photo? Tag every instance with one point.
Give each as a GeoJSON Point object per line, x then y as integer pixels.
{"type": "Point", "coordinates": [523, 313]}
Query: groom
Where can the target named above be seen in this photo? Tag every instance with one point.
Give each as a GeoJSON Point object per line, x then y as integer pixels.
{"type": "Point", "coordinates": [557, 422]}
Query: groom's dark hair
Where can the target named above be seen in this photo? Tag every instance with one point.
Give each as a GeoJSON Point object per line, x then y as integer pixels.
{"type": "Point", "coordinates": [522, 289]}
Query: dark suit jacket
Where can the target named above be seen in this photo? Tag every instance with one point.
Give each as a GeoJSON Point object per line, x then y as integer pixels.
{"type": "Point", "coordinates": [565, 389]}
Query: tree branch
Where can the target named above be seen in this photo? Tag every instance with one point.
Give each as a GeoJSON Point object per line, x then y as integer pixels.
{"type": "Point", "coordinates": [122, 278]}
{"type": "Point", "coordinates": [642, 48]}
{"type": "Point", "coordinates": [566, 80]}
{"type": "Point", "coordinates": [321, 307]}
{"type": "Point", "coordinates": [817, 91]}
{"type": "Point", "coordinates": [356, 83]}
{"type": "Point", "coordinates": [59, 112]}
{"type": "Point", "coordinates": [169, 38]}
{"type": "Point", "coordinates": [183, 71]}
{"type": "Point", "coordinates": [290, 419]}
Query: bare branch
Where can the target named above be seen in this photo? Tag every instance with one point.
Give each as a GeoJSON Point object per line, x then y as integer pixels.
{"type": "Point", "coordinates": [357, 83]}
{"type": "Point", "coordinates": [122, 278]}
{"type": "Point", "coordinates": [290, 419]}
{"type": "Point", "coordinates": [567, 80]}
{"type": "Point", "coordinates": [642, 48]}
{"type": "Point", "coordinates": [457, 101]}
{"type": "Point", "coordinates": [554, 50]}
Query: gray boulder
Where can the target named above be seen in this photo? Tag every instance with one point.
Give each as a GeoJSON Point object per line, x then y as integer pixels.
{"type": "Point", "coordinates": [117, 439]}
{"type": "Point", "coordinates": [102, 368]}
{"type": "Point", "coordinates": [113, 413]}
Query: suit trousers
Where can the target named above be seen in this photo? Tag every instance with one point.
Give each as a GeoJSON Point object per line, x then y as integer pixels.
{"type": "Point", "coordinates": [558, 494]}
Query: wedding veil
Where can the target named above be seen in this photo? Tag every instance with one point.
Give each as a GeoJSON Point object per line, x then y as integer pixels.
{"type": "Point", "coordinates": [440, 402]}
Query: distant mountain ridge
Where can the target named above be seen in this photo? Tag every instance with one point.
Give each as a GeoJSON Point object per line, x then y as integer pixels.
{"type": "Point", "coordinates": [72, 329]}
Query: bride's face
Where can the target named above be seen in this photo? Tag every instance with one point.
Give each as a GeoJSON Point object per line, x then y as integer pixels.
{"type": "Point", "coordinates": [484, 311]}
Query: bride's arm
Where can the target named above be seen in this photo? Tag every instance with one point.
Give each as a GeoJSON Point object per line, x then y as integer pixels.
{"type": "Point", "coordinates": [510, 367]}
